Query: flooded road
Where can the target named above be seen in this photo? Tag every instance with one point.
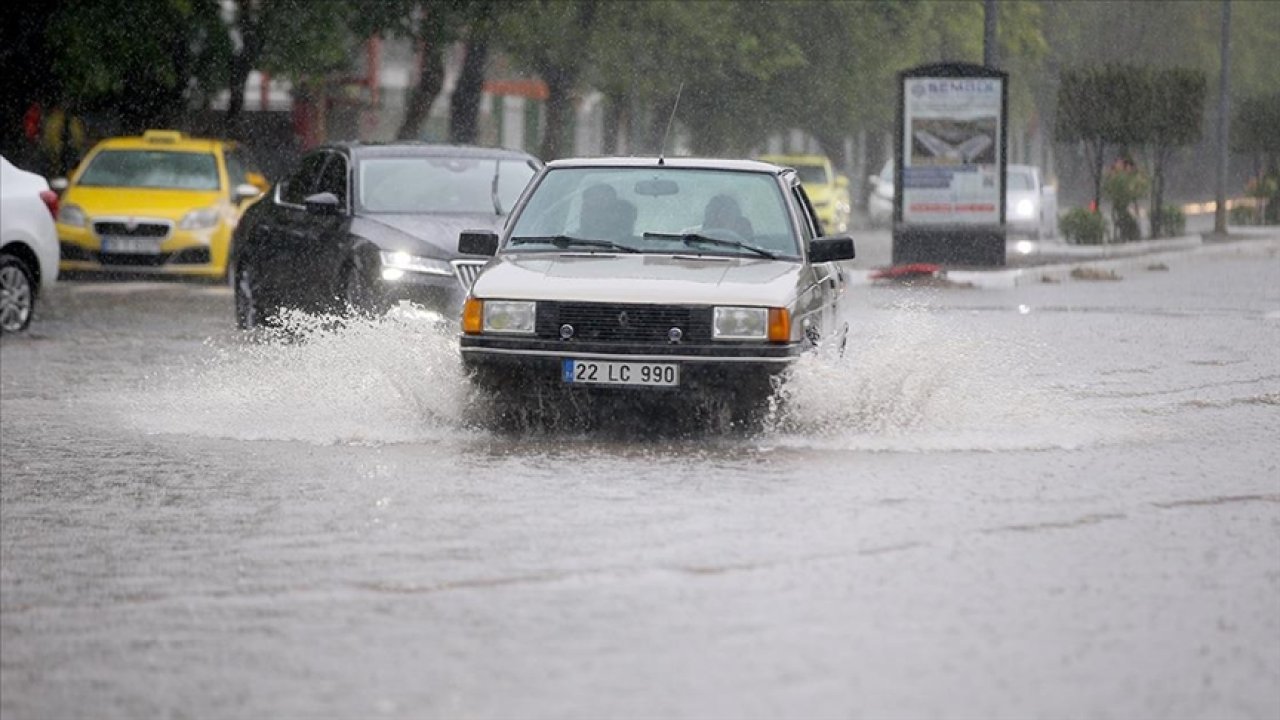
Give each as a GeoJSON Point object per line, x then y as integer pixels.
{"type": "Point", "coordinates": [1052, 500]}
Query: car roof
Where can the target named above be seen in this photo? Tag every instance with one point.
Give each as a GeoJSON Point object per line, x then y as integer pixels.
{"type": "Point", "coordinates": [670, 162]}
{"type": "Point", "coordinates": [420, 149]}
{"type": "Point", "coordinates": [163, 140]}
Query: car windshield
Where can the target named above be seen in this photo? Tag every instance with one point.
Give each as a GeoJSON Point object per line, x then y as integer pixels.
{"type": "Point", "coordinates": [1020, 180]}
{"type": "Point", "coordinates": [652, 209]}
{"type": "Point", "coordinates": [442, 184]}
{"type": "Point", "coordinates": [812, 174]}
{"type": "Point", "coordinates": [160, 169]}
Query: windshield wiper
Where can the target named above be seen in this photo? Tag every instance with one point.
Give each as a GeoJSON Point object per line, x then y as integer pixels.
{"type": "Point", "coordinates": [565, 241]}
{"type": "Point", "coordinates": [695, 238]}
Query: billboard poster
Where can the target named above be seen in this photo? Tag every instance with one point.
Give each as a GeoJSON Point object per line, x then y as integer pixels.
{"type": "Point", "coordinates": [951, 150]}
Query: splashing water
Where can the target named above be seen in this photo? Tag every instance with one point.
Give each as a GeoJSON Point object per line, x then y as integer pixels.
{"type": "Point", "coordinates": [321, 379]}
{"type": "Point", "coordinates": [909, 382]}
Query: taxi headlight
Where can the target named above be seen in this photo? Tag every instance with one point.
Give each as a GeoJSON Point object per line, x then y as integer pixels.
{"type": "Point", "coordinates": [509, 316]}
{"type": "Point", "coordinates": [201, 219]}
{"type": "Point", "coordinates": [740, 323]}
{"type": "Point", "coordinates": [71, 215]}
{"type": "Point", "coordinates": [396, 264]}
{"type": "Point", "coordinates": [1024, 208]}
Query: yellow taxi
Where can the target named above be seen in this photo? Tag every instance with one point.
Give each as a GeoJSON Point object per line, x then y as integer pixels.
{"type": "Point", "coordinates": [827, 190]}
{"type": "Point", "coordinates": [163, 202]}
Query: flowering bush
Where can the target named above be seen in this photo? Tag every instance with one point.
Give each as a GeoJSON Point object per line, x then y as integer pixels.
{"type": "Point", "coordinates": [1123, 186]}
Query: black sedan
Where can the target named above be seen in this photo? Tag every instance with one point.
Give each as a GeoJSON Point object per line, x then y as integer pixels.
{"type": "Point", "coordinates": [358, 227]}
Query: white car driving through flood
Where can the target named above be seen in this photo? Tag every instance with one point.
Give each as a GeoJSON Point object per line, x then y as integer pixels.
{"type": "Point", "coordinates": [635, 276]}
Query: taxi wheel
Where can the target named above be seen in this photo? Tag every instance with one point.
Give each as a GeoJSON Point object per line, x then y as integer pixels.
{"type": "Point", "coordinates": [17, 294]}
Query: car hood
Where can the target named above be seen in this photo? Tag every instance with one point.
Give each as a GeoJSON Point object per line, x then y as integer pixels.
{"type": "Point", "coordinates": [139, 202]}
{"type": "Point", "coordinates": [641, 278]}
{"type": "Point", "coordinates": [430, 235]}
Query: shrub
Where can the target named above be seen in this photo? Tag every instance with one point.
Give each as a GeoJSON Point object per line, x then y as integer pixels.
{"type": "Point", "coordinates": [1083, 227]}
{"type": "Point", "coordinates": [1123, 187]}
{"type": "Point", "coordinates": [1172, 222]}
{"type": "Point", "coordinates": [1241, 215]}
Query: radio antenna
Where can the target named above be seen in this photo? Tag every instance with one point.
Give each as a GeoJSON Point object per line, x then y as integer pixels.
{"type": "Point", "coordinates": [663, 151]}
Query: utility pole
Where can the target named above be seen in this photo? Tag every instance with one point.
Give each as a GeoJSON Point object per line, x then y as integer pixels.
{"type": "Point", "coordinates": [1224, 117]}
{"type": "Point", "coordinates": [989, 12]}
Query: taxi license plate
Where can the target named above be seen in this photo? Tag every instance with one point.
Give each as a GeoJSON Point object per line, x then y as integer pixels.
{"type": "Point", "coordinates": [598, 372]}
{"type": "Point", "coordinates": [131, 245]}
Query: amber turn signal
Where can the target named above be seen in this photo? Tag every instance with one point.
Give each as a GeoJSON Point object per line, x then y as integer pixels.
{"type": "Point", "coordinates": [779, 325]}
{"type": "Point", "coordinates": [473, 316]}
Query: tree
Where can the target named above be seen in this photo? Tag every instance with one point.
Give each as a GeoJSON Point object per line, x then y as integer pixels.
{"type": "Point", "coordinates": [1097, 106]}
{"type": "Point", "coordinates": [1173, 118]}
{"type": "Point", "coordinates": [553, 39]}
{"type": "Point", "coordinates": [296, 38]}
{"type": "Point", "coordinates": [481, 18]}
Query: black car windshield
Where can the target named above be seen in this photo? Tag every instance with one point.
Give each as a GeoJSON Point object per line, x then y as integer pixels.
{"type": "Point", "coordinates": [159, 169]}
{"type": "Point", "coordinates": [646, 207]}
{"type": "Point", "coordinates": [442, 184]}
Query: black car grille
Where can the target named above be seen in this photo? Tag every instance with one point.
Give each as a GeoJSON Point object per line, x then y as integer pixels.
{"type": "Point", "coordinates": [130, 260]}
{"type": "Point", "coordinates": [608, 322]}
{"type": "Point", "coordinates": [120, 229]}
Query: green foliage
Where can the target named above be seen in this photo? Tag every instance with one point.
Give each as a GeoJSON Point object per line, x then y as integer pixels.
{"type": "Point", "coordinates": [1256, 125]}
{"type": "Point", "coordinates": [1123, 187]}
{"type": "Point", "coordinates": [1083, 227]}
{"type": "Point", "coordinates": [1172, 221]}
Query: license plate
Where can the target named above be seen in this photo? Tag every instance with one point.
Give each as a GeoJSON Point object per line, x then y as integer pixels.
{"type": "Point", "coordinates": [597, 372]}
{"type": "Point", "coordinates": [131, 245]}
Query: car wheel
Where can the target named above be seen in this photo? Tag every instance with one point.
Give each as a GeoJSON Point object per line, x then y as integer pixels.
{"type": "Point", "coordinates": [251, 307]}
{"type": "Point", "coordinates": [17, 294]}
{"type": "Point", "coordinates": [361, 293]}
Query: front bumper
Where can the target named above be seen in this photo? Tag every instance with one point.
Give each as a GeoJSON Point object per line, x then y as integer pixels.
{"type": "Point", "coordinates": [199, 253]}
{"type": "Point", "coordinates": [511, 365]}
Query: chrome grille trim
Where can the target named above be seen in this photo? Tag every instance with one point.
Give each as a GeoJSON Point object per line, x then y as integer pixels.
{"type": "Point", "coordinates": [467, 271]}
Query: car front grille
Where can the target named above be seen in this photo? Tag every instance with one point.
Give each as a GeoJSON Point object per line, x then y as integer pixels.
{"type": "Point", "coordinates": [609, 322]}
{"type": "Point", "coordinates": [467, 271]}
{"type": "Point", "coordinates": [147, 229]}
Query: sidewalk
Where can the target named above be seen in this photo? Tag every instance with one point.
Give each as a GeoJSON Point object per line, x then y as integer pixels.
{"type": "Point", "coordinates": [1058, 265]}
{"type": "Point", "coordinates": [1055, 261]}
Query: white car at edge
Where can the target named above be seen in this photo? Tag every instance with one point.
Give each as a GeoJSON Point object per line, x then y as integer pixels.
{"type": "Point", "coordinates": [28, 244]}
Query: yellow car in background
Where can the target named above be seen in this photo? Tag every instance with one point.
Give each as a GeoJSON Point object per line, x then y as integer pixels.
{"type": "Point", "coordinates": [827, 190]}
{"type": "Point", "coordinates": [163, 203]}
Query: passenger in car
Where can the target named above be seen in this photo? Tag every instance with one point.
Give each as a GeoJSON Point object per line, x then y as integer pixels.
{"type": "Point", "coordinates": [724, 213]}
{"type": "Point", "coordinates": [604, 215]}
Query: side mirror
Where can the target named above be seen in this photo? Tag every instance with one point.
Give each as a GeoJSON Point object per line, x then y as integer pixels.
{"type": "Point", "coordinates": [59, 184]}
{"type": "Point", "coordinates": [842, 181]}
{"type": "Point", "coordinates": [831, 248]}
{"type": "Point", "coordinates": [257, 180]}
{"type": "Point", "coordinates": [325, 203]}
{"type": "Point", "coordinates": [246, 191]}
{"type": "Point", "coordinates": [478, 242]}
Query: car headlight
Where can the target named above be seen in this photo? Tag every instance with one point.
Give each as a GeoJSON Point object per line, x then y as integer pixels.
{"type": "Point", "coordinates": [71, 215]}
{"type": "Point", "coordinates": [201, 219]}
{"type": "Point", "coordinates": [396, 264]}
{"type": "Point", "coordinates": [740, 323]}
{"type": "Point", "coordinates": [1024, 208]}
{"type": "Point", "coordinates": [509, 316]}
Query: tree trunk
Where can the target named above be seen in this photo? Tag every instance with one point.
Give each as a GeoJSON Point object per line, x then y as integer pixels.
{"type": "Point", "coordinates": [430, 80]}
{"type": "Point", "coordinates": [464, 108]}
{"type": "Point", "coordinates": [241, 65]}
{"type": "Point", "coordinates": [555, 140]}
{"type": "Point", "coordinates": [1157, 191]}
{"type": "Point", "coordinates": [1096, 149]}
{"type": "Point", "coordinates": [614, 122]}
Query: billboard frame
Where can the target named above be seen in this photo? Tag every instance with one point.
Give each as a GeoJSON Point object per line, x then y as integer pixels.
{"type": "Point", "coordinates": [950, 243]}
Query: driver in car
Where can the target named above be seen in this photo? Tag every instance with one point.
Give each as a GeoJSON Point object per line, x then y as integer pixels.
{"type": "Point", "coordinates": [724, 213]}
{"type": "Point", "coordinates": [604, 215]}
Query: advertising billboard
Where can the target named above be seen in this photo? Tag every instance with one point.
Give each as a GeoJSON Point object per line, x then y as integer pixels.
{"type": "Point", "coordinates": [952, 131]}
